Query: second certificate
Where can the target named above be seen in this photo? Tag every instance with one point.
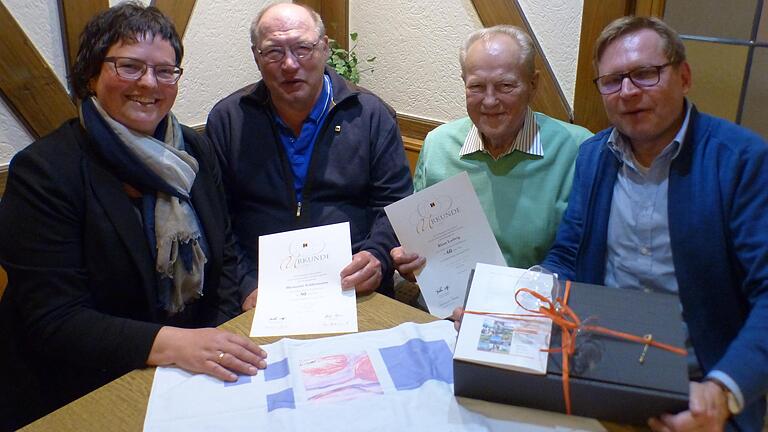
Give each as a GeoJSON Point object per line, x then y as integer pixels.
{"type": "Point", "coordinates": [446, 224]}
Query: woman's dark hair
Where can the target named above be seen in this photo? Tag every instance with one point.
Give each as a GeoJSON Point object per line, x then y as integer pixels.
{"type": "Point", "coordinates": [125, 22]}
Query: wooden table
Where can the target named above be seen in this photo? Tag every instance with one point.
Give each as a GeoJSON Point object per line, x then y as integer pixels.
{"type": "Point", "coordinates": [122, 404]}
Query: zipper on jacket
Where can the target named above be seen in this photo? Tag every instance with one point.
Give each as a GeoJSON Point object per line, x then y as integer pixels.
{"type": "Point", "coordinates": [307, 182]}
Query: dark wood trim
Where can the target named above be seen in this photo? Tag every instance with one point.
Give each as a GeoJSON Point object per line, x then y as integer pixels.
{"type": "Point", "coordinates": [316, 5]}
{"type": "Point", "coordinates": [3, 180]}
{"type": "Point", "coordinates": [27, 82]}
{"type": "Point", "coordinates": [649, 8]}
{"type": "Point", "coordinates": [588, 104]}
{"type": "Point", "coordinates": [412, 144]}
{"type": "Point", "coordinates": [199, 128]}
{"type": "Point", "coordinates": [549, 98]}
{"type": "Point", "coordinates": [415, 127]}
{"type": "Point", "coordinates": [413, 131]}
{"type": "Point", "coordinates": [412, 148]}
{"type": "Point", "coordinates": [74, 15]}
{"type": "Point", "coordinates": [335, 14]}
{"type": "Point", "coordinates": [180, 11]}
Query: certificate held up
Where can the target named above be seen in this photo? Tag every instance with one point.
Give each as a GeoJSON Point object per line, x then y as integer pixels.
{"type": "Point", "coordinates": [445, 224]}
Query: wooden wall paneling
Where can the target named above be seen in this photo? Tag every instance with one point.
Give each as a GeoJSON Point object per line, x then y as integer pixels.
{"type": "Point", "coordinates": [649, 8]}
{"type": "Point", "coordinates": [178, 10]}
{"type": "Point", "coordinates": [416, 127]}
{"type": "Point", "coordinates": [549, 98]}
{"type": "Point", "coordinates": [74, 15]}
{"type": "Point", "coordinates": [335, 14]}
{"type": "Point", "coordinates": [588, 104]}
{"type": "Point", "coordinates": [27, 83]}
{"type": "Point", "coordinates": [3, 180]}
{"type": "Point", "coordinates": [412, 149]}
{"type": "Point", "coordinates": [414, 130]}
{"type": "Point", "coordinates": [317, 5]}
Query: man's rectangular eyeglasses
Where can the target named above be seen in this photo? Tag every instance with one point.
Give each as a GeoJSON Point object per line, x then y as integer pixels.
{"type": "Point", "coordinates": [300, 50]}
{"type": "Point", "coordinates": [646, 76]}
{"type": "Point", "coordinates": [133, 69]}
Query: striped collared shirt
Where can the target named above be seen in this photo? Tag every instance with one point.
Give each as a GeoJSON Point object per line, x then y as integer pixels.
{"type": "Point", "coordinates": [528, 139]}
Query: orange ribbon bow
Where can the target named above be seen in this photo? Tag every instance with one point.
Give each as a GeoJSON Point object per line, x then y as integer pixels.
{"type": "Point", "coordinates": [570, 325]}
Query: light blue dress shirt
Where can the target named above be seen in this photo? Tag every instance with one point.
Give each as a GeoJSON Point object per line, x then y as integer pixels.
{"type": "Point", "coordinates": [639, 252]}
{"type": "Point", "coordinates": [639, 255]}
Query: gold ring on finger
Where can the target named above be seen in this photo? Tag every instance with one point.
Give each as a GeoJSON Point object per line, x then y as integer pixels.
{"type": "Point", "coordinates": [220, 357]}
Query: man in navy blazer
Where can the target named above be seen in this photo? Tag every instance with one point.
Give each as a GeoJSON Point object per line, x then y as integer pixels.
{"type": "Point", "coordinates": [673, 200]}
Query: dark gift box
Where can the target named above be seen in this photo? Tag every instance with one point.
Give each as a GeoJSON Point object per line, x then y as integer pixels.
{"type": "Point", "coordinates": [607, 380]}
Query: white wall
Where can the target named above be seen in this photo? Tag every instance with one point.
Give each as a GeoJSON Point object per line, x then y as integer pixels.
{"type": "Point", "coordinates": [217, 56]}
{"type": "Point", "coordinates": [416, 44]}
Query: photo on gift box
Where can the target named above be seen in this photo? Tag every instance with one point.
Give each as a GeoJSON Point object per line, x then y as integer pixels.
{"type": "Point", "coordinates": [495, 336]}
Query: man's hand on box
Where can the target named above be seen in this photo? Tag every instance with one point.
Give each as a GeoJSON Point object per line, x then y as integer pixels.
{"type": "Point", "coordinates": [708, 411]}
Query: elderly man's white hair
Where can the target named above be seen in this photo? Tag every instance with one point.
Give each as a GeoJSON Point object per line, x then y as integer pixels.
{"type": "Point", "coordinates": [527, 49]}
{"type": "Point", "coordinates": [319, 26]}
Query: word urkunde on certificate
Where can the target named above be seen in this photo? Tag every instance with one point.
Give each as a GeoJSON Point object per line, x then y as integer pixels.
{"type": "Point", "coordinates": [299, 283]}
{"type": "Point", "coordinates": [446, 224]}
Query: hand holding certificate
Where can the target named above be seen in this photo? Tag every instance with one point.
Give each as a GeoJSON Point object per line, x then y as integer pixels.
{"type": "Point", "coordinates": [299, 283]}
{"type": "Point", "coordinates": [446, 224]}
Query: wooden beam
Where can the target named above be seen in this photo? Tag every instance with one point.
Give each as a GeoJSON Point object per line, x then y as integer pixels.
{"type": "Point", "coordinates": [180, 11]}
{"type": "Point", "coordinates": [316, 5]}
{"type": "Point", "coordinates": [649, 8]}
{"type": "Point", "coordinates": [588, 104]}
{"type": "Point", "coordinates": [335, 15]}
{"type": "Point", "coordinates": [549, 97]}
{"type": "Point", "coordinates": [74, 16]}
{"type": "Point", "coordinates": [27, 82]}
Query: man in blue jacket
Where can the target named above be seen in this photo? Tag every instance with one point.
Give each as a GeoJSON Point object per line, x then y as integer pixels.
{"type": "Point", "coordinates": [673, 200]}
{"type": "Point", "coordinates": [302, 148]}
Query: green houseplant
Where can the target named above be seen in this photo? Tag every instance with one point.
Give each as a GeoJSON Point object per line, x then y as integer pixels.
{"type": "Point", "coordinates": [346, 63]}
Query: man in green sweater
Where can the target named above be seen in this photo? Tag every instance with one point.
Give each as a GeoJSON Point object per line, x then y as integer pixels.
{"type": "Point", "coordinates": [520, 162]}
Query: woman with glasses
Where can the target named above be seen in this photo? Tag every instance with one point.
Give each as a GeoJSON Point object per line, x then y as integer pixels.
{"type": "Point", "coordinates": [114, 233]}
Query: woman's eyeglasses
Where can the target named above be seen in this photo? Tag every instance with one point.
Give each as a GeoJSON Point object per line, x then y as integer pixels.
{"type": "Point", "coordinates": [133, 69]}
